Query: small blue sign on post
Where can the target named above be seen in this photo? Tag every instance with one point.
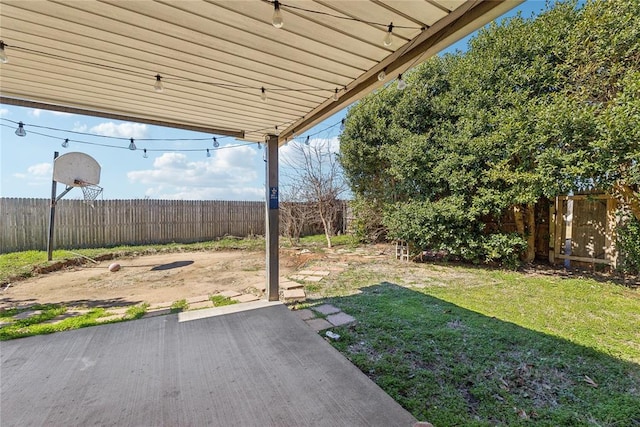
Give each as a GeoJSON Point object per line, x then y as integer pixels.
{"type": "Point", "coordinates": [273, 197]}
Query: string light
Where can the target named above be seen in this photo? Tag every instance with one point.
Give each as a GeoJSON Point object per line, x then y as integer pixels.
{"type": "Point", "coordinates": [388, 39]}
{"type": "Point", "coordinates": [259, 146]}
{"type": "Point", "coordinates": [401, 83]}
{"type": "Point", "coordinates": [158, 85]}
{"type": "Point", "coordinates": [277, 15]}
{"type": "Point", "coordinates": [277, 132]}
{"type": "Point", "coordinates": [3, 54]}
{"type": "Point", "coordinates": [335, 95]}
{"type": "Point", "coordinates": [208, 153]}
{"type": "Point", "coordinates": [20, 131]}
{"type": "Point", "coordinates": [382, 75]}
{"type": "Point", "coordinates": [263, 94]}
{"type": "Point", "coordinates": [342, 122]}
{"type": "Point", "coordinates": [144, 154]}
{"type": "Point", "coordinates": [132, 145]}
{"type": "Point", "coordinates": [216, 144]}
{"type": "Point", "coordinates": [306, 141]}
{"type": "Point", "coordinates": [65, 144]}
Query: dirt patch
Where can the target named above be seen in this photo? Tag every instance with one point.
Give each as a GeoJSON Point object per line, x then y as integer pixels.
{"type": "Point", "coordinates": [153, 279]}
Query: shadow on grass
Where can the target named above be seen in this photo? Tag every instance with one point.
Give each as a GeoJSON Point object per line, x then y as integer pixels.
{"type": "Point", "coordinates": [452, 366]}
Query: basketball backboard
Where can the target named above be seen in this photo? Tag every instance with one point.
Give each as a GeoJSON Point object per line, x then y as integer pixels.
{"type": "Point", "coordinates": [76, 169]}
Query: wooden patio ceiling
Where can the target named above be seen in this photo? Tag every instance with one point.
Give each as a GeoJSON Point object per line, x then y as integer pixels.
{"type": "Point", "coordinates": [214, 57]}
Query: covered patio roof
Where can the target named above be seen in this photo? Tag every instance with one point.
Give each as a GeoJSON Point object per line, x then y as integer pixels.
{"type": "Point", "coordinates": [217, 60]}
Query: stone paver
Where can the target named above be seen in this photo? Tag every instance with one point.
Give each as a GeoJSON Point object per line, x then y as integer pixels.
{"type": "Point", "coordinates": [304, 314]}
{"type": "Point", "coordinates": [292, 295]}
{"type": "Point", "coordinates": [340, 319]}
{"type": "Point", "coordinates": [3, 324]}
{"type": "Point", "coordinates": [154, 313]}
{"type": "Point", "coordinates": [326, 309]}
{"type": "Point", "coordinates": [314, 272]}
{"type": "Point", "coordinates": [27, 314]}
{"type": "Point", "coordinates": [318, 324]}
{"type": "Point", "coordinates": [201, 304]}
{"type": "Point", "coordinates": [194, 300]}
{"type": "Point", "coordinates": [245, 298]}
{"type": "Point", "coordinates": [229, 294]}
{"type": "Point", "coordinates": [290, 285]}
{"type": "Point", "coordinates": [313, 278]}
{"type": "Point", "coordinates": [109, 318]}
{"type": "Point", "coordinates": [64, 316]}
{"type": "Point", "coordinates": [298, 277]}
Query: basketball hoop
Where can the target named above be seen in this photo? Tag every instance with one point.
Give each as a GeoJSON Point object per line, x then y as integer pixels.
{"type": "Point", "coordinates": [89, 191]}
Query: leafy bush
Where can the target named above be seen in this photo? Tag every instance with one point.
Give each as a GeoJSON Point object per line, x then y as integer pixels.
{"type": "Point", "coordinates": [629, 246]}
{"type": "Point", "coordinates": [504, 248]}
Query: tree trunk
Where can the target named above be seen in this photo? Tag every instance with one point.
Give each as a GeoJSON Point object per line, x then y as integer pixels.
{"type": "Point", "coordinates": [526, 230]}
{"type": "Point", "coordinates": [630, 198]}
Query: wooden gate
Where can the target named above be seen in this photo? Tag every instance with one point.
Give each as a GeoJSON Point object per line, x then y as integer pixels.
{"type": "Point", "coordinates": [584, 230]}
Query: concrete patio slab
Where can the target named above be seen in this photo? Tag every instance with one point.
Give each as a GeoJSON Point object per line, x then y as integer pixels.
{"type": "Point", "coordinates": [260, 366]}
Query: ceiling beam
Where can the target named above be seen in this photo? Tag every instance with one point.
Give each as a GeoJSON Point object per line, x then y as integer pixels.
{"type": "Point", "coordinates": [239, 134]}
{"type": "Point", "coordinates": [462, 21]}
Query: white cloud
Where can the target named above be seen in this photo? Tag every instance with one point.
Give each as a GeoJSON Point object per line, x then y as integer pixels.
{"type": "Point", "coordinates": [122, 130]}
{"type": "Point", "coordinates": [36, 112]}
{"type": "Point", "coordinates": [79, 127]}
{"type": "Point", "coordinates": [40, 169]}
{"type": "Point", "coordinates": [4, 112]}
{"type": "Point", "coordinates": [230, 174]}
{"type": "Point", "coordinates": [36, 174]}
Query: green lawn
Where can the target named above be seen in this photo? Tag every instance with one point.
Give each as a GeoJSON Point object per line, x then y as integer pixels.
{"type": "Point", "coordinates": [469, 346]}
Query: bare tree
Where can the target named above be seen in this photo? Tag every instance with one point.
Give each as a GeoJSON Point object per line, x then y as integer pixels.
{"type": "Point", "coordinates": [314, 172]}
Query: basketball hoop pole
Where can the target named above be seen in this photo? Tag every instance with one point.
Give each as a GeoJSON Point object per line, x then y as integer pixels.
{"type": "Point", "coordinates": [52, 214]}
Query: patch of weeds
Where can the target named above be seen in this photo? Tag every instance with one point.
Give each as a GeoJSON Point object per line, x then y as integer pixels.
{"type": "Point", "coordinates": [179, 305]}
{"type": "Point", "coordinates": [313, 287]}
{"type": "Point", "coordinates": [221, 300]}
{"type": "Point", "coordinates": [137, 311]}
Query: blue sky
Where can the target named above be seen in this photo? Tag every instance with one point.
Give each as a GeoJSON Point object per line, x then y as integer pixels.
{"type": "Point", "coordinates": [233, 172]}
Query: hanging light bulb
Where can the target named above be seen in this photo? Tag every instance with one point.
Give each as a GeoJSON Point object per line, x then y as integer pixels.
{"type": "Point", "coordinates": [277, 15]}
{"type": "Point", "coordinates": [388, 39]}
{"type": "Point", "coordinates": [20, 131]}
{"type": "Point", "coordinates": [208, 153]}
{"type": "Point", "coordinates": [158, 85]}
{"type": "Point", "coordinates": [132, 145]}
{"type": "Point", "coordinates": [382, 75]}
{"type": "Point", "coordinates": [342, 122]}
{"type": "Point", "coordinates": [306, 141]}
{"type": "Point", "coordinates": [3, 54]}
{"type": "Point", "coordinates": [216, 144]}
{"type": "Point", "coordinates": [263, 94]}
{"type": "Point", "coordinates": [277, 132]}
{"type": "Point", "coordinates": [144, 154]}
{"type": "Point", "coordinates": [65, 144]}
{"type": "Point", "coordinates": [259, 146]}
{"type": "Point", "coordinates": [401, 83]}
{"type": "Point", "coordinates": [335, 95]}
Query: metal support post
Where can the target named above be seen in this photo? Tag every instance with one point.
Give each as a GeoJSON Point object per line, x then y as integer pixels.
{"type": "Point", "coordinates": [273, 219]}
{"type": "Point", "coordinates": [52, 215]}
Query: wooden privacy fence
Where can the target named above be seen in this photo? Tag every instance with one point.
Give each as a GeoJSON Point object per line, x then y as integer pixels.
{"type": "Point", "coordinates": [24, 222]}
{"type": "Point", "coordinates": [584, 230]}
